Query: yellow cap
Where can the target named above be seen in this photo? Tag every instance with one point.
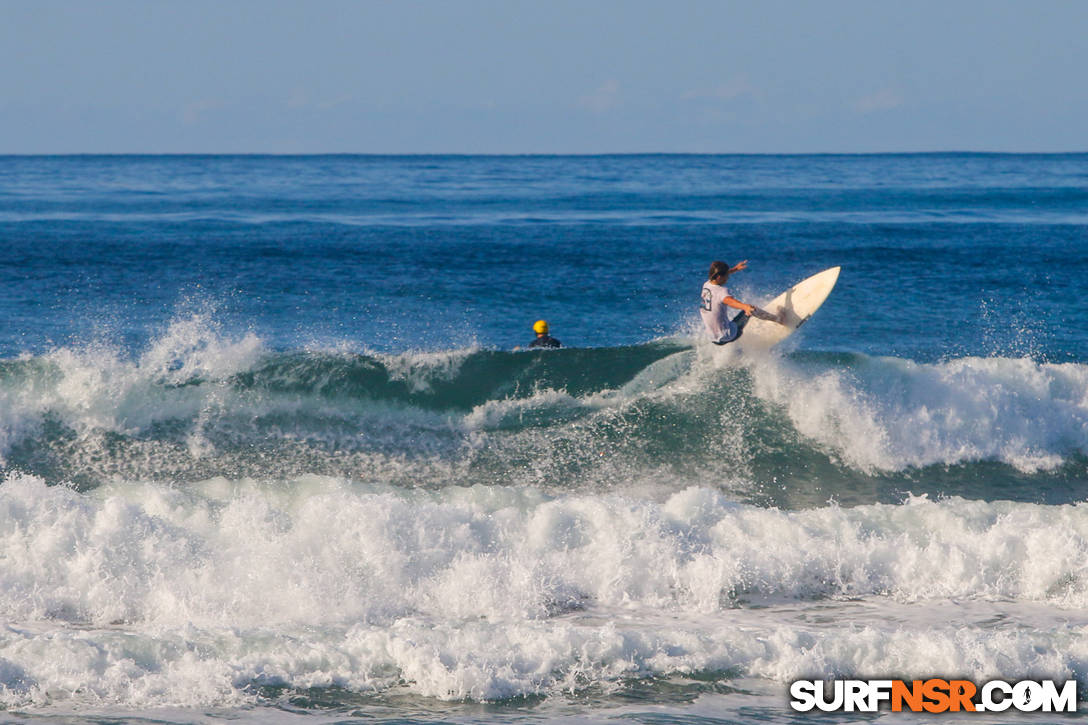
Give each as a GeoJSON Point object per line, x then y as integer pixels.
{"type": "Point", "coordinates": [540, 327]}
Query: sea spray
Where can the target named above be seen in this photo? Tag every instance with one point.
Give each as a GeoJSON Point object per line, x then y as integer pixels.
{"type": "Point", "coordinates": [199, 404]}
{"type": "Point", "coordinates": [268, 454]}
{"type": "Point", "coordinates": [499, 592]}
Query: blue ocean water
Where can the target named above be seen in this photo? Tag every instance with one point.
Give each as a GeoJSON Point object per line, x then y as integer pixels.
{"type": "Point", "coordinates": [269, 451]}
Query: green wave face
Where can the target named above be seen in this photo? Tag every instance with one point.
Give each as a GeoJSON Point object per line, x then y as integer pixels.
{"type": "Point", "coordinates": [452, 382]}
{"type": "Point", "coordinates": [790, 430]}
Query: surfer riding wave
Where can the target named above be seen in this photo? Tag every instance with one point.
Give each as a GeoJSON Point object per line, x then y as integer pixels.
{"type": "Point", "coordinates": [716, 301]}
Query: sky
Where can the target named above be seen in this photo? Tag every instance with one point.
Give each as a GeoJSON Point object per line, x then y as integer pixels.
{"type": "Point", "coordinates": [549, 76]}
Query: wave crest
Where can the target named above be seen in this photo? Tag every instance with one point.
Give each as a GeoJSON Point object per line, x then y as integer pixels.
{"type": "Point", "coordinates": [790, 430]}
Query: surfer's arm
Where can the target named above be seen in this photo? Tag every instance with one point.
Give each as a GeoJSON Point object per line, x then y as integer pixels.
{"type": "Point", "coordinates": [737, 304]}
{"type": "Point", "coordinates": [738, 266]}
{"type": "Point", "coordinates": [752, 310]}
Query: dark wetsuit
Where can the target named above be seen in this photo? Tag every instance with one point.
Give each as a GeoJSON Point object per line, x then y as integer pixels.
{"type": "Point", "coordinates": [545, 341]}
{"type": "Point", "coordinates": [740, 321]}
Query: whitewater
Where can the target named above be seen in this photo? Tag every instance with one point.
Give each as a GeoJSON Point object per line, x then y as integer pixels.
{"type": "Point", "coordinates": [252, 469]}
{"type": "Point", "coordinates": [463, 537]}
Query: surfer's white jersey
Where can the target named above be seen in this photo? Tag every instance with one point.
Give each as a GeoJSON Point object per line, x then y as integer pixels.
{"type": "Point", "coordinates": [715, 313]}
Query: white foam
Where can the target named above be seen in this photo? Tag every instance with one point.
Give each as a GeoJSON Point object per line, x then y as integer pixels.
{"type": "Point", "coordinates": [543, 406]}
{"type": "Point", "coordinates": [152, 595]}
{"type": "Point", "coordinates": [97, 388]}
{"type": "Point", "coordinates": [177, 401]}
{"type": "Point", "coordinates": [874, 414]}
{"type": "Point", "coordinates": [887, 413]}
{"type": "Point", "coordinates": [420, 369]}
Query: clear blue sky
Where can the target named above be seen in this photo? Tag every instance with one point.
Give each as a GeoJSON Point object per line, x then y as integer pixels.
{"type": "Point", "coordinates": [553, 76]}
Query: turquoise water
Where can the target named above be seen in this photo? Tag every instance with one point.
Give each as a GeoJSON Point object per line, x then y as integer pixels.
{"type": "Point", "coordinates": [269, 451]}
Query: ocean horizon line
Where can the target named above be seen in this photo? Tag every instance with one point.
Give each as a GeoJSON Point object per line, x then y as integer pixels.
{"type": "Point", "coordinates": [528, 154]}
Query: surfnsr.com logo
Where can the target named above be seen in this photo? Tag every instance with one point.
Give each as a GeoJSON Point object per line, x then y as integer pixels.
{"type": "Point", "coordinates": [933, 695]}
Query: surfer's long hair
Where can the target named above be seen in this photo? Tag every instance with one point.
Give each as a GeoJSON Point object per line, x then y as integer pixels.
{"type": "Point", "coordinates": [717, 269]}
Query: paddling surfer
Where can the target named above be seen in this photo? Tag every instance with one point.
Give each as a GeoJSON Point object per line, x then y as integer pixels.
{"type": "Point", "coordinates": [543, 339]}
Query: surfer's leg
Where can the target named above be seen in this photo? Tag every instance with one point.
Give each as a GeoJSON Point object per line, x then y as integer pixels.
{"type": "Point", "coordinates": [740, 321]}
{"type": "Point", "coordinates": [732, 332]}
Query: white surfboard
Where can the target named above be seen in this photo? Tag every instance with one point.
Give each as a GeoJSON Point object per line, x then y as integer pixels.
{"type": "Point", "coordinates": [794, 307]}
